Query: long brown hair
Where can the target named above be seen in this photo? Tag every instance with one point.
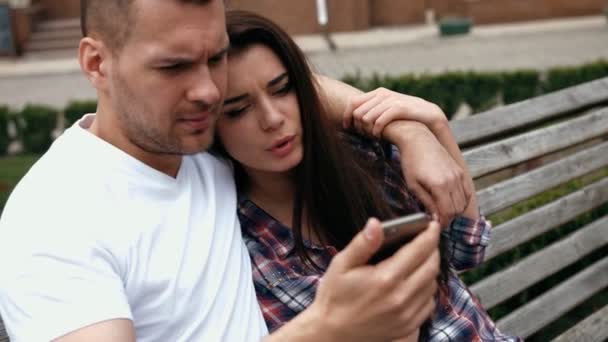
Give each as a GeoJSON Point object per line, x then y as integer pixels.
{"type": "Point", "coordinates": [334, 192]}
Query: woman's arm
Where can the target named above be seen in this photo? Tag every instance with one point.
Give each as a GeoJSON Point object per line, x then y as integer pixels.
{"type": "Point", "coordinates": [431, 171]}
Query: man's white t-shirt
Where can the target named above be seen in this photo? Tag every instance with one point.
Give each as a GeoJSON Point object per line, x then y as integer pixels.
{"type": "Point", "coordinates": [91, 234]}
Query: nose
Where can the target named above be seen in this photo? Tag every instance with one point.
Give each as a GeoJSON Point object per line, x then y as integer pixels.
{"type": "Point", "coordinates": [271, 117]}
{"type": "Point", "coordinates": [204, 90]}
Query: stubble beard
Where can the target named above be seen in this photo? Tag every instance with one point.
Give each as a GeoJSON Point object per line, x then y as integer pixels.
{"type": "Point", "coordinates": [149, 138]}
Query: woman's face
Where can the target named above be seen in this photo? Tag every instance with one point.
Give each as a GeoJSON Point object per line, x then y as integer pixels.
{"type": "Point", "coordinates": [260, 125]}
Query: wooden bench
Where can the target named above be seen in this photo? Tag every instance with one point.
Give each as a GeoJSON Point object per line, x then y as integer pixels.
{"type": "Point", "coordinates": [516, 152]}
{"type": "Point", "coordinates": [519, 151]}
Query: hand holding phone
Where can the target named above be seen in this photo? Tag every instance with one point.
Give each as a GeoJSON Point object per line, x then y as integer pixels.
{"type": "Point", "coordinates": [399, 231]}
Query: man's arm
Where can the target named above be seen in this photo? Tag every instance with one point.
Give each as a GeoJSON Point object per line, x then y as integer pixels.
{"type": "Point", "coordinates": [116, 330]}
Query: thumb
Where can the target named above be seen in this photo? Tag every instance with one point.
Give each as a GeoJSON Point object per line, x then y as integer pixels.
{"type": "Point", "coordinates": [365, 244]}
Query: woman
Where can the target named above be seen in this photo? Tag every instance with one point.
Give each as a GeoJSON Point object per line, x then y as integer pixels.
{"type": "Point", "coordinates": [305, 191]}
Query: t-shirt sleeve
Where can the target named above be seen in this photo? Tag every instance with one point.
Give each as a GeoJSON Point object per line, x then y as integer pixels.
{"type": "Point", "coordinates": [56, 280]}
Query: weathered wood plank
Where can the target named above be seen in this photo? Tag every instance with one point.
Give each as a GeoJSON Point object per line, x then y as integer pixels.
{"type": "Point", "coordinates": [498, 155]}
{"type": "Point", "coordinates": [504, 284]}
{"type": "Point", "coordinates": [507, 193]}
{"type": "Point", "coordinates": [529, 165]}
{"type": "Point", "coordinates": [544, 309]}
{"type": "Point", "coordinates": [496, 121]}
{"type": "Point", "coordinates": [592, 329]}
{"type": "Point", "coordinates": [536, 222]}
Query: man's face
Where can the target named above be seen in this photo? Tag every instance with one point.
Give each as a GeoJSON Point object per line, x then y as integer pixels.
{"type": "Point", "coordinates": [168, 82]}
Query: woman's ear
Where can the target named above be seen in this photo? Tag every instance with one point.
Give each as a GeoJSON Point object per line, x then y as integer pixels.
{"type": "Point", "coordinates": [94, 61]}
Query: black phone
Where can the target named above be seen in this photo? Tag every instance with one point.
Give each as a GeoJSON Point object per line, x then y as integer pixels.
{"type": "Point", "coordinates": [398, 232]}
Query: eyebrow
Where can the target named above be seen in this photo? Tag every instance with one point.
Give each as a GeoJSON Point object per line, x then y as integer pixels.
{"type": "Point", "coordinates": [277, 79]}
{"type": "Point", "coordinates": [183, 59]}
{"type": "Point", "coordinates": [271, 83]}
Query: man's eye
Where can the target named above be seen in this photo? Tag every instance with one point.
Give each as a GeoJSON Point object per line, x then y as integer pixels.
{"type": "Point", "coordinates": [174, 67]}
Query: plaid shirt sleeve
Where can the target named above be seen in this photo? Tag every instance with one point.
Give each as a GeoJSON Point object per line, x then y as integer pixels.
{"type": "Point", "coordinates": [467, 239]}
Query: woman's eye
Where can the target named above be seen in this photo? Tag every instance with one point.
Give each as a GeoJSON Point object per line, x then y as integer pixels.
{"type": "Point", "coordinates": [235, 113]}
{"type": "Point", "coordinates": [284, 89]}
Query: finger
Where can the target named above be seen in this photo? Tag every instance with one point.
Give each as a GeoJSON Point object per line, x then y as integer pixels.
{"type": "Point", "coordinates": [353, 103]}
{"type": "Point", "coordinates": [444, 203]}
{"type": "Point", "coordinates": [362, 110]}
{"type": "Point", "coordinates": [424, 197]}
{"type": "Point", "coordinates": [422, 305]}
{"type": "Point", "coordinates": [373, 114]}
{"type": "Point", "coordinates": [424, 313]}
{"type": "Point", "coordinates": [458, 198]}
{"type": "Point", "coordinates": [469, 189]}
{"type": "Point", "coordinates": [361, 248]}
{"type": "Point", "coordinates": [419, 292]}
{"type": "Point", "coordinates": [413, 254]}
{"type": "Point", "coordinates": [387, 117]}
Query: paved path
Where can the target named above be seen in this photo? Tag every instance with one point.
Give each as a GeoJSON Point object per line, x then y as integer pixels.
{"type": "Point", "coordinates": [419, 49]}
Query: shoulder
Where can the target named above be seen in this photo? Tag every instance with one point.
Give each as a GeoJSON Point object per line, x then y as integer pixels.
{"type": "Point", "coordinates": [206, 161]}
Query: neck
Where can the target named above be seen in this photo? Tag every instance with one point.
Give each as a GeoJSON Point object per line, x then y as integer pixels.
{"type": "Point", "coordinates": [274, 193]}
{"type": "Point", "coordinates": [105, 127]}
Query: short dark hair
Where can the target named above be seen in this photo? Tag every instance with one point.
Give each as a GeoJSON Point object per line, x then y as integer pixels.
{"type": "Point", "coordinates": [112, 19]}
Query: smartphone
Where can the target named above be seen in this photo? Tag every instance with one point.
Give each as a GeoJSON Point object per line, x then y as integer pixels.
{"type": "Point", "coordinates": [398, 232]}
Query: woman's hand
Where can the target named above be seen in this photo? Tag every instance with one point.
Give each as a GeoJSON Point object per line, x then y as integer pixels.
{"type": "Point", "coordinates": [433, 165]}
{"type": "Point", "coordinates": [429, 171]}
{"type": "Point", "coordinates": [371, 112]}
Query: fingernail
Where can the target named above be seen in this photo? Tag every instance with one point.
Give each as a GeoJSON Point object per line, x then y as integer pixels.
{"type": "Point", "coordinates": [369, 229]}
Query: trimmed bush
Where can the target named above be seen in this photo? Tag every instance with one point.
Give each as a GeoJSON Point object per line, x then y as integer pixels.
{"type": "Point", "coordinates": [4, 137]}
{"type": "Point", "coordinates": [36, 127]}
{"type": "Point", "coordinates": [76, 109]}
{"type": "Point", "coordinates": [520, 85]}
{"type": "Point", "coordinates": [482, 90]}
{"type": "Point", "coordinates": [564, 77]}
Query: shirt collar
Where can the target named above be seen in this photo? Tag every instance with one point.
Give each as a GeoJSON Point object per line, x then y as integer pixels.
{"type": "Point", "coordinates": [265, 228]}
{"type": "Point", "coordinates": [268, 230]}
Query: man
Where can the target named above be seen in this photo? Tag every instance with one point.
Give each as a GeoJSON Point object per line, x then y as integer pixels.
{"type": "Point", "coordinates": [123, 230]}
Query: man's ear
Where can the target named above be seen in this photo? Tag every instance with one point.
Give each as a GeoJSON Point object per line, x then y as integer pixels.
{"type": "Point", "coordinates": [95, 60]}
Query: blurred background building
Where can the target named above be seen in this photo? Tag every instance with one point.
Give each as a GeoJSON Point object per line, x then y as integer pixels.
{"type": "Point", "coordinates": [47, 25]}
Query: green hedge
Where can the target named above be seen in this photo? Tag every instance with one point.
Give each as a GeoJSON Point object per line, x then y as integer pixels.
{"type": "Point", "coordinates": [482, 90]}
{"type": "Point", "coordinates": [36, 127]}
{"type": "Point", "coordinates": [76, 109]}
{"type": "Point", "coordinates": [4, 137]}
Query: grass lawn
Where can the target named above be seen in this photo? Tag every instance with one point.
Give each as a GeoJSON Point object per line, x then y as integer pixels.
{"type": "Point", "coordinates": [11, 171]}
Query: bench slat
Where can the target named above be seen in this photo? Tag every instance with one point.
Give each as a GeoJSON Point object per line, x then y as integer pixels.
{"type": "Point", "coordinates": [497, 121]}
{"type": "Point", "coordinates": [507, 193]}
{"type": "Point", "coordinates": [592, 329]}
{"type": "Point", "coordinates": [536, 222]}
{"type": "Point", "coordinates": [501, 154]}
{"type": "Point", "coordinates": [535, 267]}
{"type": "Point", "coordinates": [530, 318]}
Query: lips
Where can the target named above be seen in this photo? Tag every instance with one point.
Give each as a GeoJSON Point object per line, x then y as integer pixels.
{"type": "Point", "coordinates": [283, 147]}
{"type": "Point", "coordinates": [197, 122]}
{"type": "Point", "coordinates": [281, 142]}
